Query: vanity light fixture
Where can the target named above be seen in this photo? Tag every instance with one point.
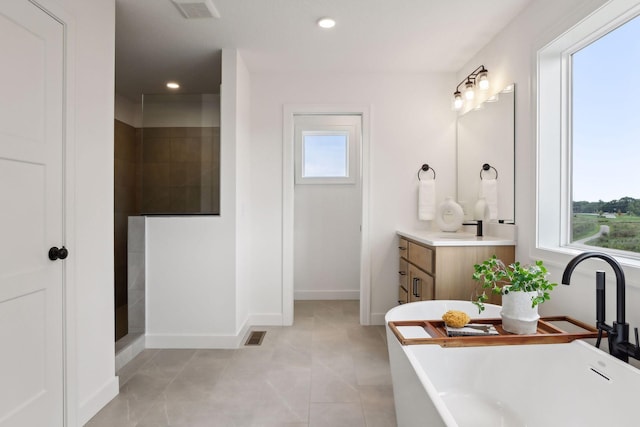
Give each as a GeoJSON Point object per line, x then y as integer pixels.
{"type": "Point", "coordinates": [458, 102]}
{"type": "Point", "coordinates": [326, 23]}
{"type": "Point", "coordinates": [477, 78]}
{"type": "Point", "coordinates": [483, 80]}
{"type": "Point", "coordinates": [469, 90]}
{"type": "Point", "coordinates": [173, 85]}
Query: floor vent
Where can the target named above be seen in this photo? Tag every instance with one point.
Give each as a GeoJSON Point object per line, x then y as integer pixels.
{"type": "Point", "coordinates": [255, 338]}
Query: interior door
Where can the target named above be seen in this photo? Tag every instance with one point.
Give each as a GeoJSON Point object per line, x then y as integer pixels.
{"type": "Point", "coordinates": [31, 216]}
{"type": "Point", "coordinates": [327, 206]}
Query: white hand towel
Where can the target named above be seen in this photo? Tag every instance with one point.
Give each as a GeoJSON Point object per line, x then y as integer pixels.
{"type": "Point", "coordinates": [427, 199]}
{"type": "Point", "coordinates": [489, 190]}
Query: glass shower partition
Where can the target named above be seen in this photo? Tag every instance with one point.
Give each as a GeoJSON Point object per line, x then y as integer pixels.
{"type": "Point", "coordinates": [180, 155]}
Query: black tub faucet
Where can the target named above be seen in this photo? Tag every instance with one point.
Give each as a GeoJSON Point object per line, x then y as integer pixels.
{"type": "Point", "coordinates": [618, 334]}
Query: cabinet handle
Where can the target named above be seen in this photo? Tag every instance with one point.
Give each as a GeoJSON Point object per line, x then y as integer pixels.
{"type": "Point", "coordinates": [402, 273]}
{"type": "Point", "coordinates": [402, 248]}
{"type": "Point", "coordinates": [414, 291]}
{"type": "Point", "coordinates": [417, 279]}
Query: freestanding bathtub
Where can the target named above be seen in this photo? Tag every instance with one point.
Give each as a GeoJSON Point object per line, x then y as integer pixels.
{"type": "Point", "coordinates": [544, 385]}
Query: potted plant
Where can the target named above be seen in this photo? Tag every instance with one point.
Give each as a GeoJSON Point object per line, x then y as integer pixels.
{"type": "Point", "coordinates": [522, 287]}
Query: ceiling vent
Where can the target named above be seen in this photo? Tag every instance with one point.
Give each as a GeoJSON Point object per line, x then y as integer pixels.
{"type": "Point", "coordinates": [192, 9]}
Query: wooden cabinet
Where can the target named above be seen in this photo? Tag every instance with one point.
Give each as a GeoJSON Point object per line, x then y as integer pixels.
{"type": "Point", "coordinates": [420, 285]}
{"type": "Point", "coordinates": [443, 272]}
{"type": "Point", "coordinates": [403, 273]}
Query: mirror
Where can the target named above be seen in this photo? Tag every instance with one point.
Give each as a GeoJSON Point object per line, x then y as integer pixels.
{"type": "Point", "coordinates": [486, 136]}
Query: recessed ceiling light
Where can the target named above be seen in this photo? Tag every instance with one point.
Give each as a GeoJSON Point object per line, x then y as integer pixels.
{"type": "Point", "coordinates": [326, 23]}
{"type": "Point", "coordinates": [173, 85]}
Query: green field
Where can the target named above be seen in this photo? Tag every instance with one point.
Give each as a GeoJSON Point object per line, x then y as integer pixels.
{"type": "Point", "coordinates": [624, 231]}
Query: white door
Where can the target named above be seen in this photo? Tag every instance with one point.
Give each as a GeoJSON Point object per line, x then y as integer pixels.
{"type": "Point", "coordinates": [327, 206]}
{"type": "Point", "coordinates": [31, 216]}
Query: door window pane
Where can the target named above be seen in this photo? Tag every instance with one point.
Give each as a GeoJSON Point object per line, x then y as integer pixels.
{"type": "Point", "coordinates": [325, 155]}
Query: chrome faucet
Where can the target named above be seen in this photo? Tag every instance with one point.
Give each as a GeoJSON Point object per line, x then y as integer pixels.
{"type": "Point", "coordinates": [618, 334]}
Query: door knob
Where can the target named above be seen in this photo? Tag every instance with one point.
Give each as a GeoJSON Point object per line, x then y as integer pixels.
{"type": "Point", "coordinates": [55, 253]}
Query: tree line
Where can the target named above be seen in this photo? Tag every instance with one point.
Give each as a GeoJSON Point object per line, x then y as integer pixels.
{"type": "Point", "coordinates": [625, 205]}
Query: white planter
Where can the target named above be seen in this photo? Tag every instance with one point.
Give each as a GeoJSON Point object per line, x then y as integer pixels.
{"type": "Point", "coordinates": [518, 317]}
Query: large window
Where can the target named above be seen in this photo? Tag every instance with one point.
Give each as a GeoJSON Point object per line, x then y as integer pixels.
{"type": "Point", "coordinates": [588, 135]}
{"type": "Point", "coordinates": [605, 141]}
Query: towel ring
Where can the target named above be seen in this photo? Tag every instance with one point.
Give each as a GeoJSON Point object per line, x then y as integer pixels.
{"type": "Point", "coordinates": [425, 168]}
{"type": "Point", "coordinates": [486, 167]}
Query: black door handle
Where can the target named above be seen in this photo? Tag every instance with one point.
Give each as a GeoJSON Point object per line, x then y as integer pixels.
{"type": "Point", "coordinates": [55, 253]}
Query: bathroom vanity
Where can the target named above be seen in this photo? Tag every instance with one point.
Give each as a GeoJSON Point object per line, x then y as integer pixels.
{"type": "Point", "coordinates": [439, 265]}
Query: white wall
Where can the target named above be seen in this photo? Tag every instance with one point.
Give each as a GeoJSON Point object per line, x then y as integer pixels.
{"type": "Point", "coordinates": [91, 71]}
{"type": "Point", "coordinates": [190, 280]}
{"type": "Point", "coordinates": [510, 57]}
{"type": "Point", "coordinates": [239, 79]}
{"type": "Point", "coordinates": [411, 124]}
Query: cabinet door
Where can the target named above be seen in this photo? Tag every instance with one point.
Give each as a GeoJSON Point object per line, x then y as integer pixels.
{"type": "Point", "coordinates": [421, 285]}
{"type": "Point", "coordinates": [403, 295]}
{"type": "Point", "coordinates": [403, 248]}
{"type": "Point", "coordinates": [403, 275]}
{"type": "Point", "coordinates": [454, 265]}
{"type": "Point", "coordinates": [421, 256]}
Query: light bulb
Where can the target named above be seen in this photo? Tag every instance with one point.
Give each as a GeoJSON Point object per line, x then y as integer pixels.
{"type": "Point", "coordinates": [469, 93]}
{"type": "Point", "coordinates": [326, 23]}
{"type": "Point", "coordinates": [173, 85]}
{"type": "Point", "coordinates": [458, 102]}
{"type": "Point", "coordinates": [483, 80]}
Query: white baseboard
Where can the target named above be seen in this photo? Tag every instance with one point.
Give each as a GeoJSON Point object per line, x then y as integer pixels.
{"type": "Point", "coordinates": [98, 400]}
{"type": "Point", "coordinates": [193, 341]}
{"type": "Point", "coordinates": [197, 341]}
{"type": "Point", "coordinates": [128, 353]}
{"type": "Point", "coordinates": [213, 341]}
{"type": "Point", "coordinates": [267, 319]}
{"type": "Point", "coordinates": [377, 318]}
{"type": "Point", "coordinates": [326, 295]}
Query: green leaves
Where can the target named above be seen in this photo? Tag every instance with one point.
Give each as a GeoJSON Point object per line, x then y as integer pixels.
{"type": "Point", "coordinates": [493, 274]}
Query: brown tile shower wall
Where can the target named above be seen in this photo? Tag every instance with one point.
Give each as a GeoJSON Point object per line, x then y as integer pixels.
{"type": "Point", "coordinates": [125, 204]}
{"type": "Point", "coordinates": [180, 170]}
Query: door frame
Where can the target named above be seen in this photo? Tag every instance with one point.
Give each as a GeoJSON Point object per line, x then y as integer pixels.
{"type": "Point", "coordinates": [288, 186]}
{"type": "Point", "coordinates": [69, 308]}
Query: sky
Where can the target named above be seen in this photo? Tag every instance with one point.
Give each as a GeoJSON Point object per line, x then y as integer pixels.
{"type": "Point", "coordinates": [325, 155]}
{"type": "Point", "coordinates": [606, 117]}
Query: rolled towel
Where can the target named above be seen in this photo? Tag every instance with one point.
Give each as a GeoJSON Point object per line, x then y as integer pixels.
{"type": "Point", "coordinates": [489, 190]}
{"type": "Point", "coordinates": [427, 200]}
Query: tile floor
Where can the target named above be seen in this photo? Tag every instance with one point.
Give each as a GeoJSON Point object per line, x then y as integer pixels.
{"type": "Point", "coordinates": [325, 371]}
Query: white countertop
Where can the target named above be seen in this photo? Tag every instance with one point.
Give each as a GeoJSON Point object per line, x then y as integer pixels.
{"type": "Point", "coordinates": [443, 238]}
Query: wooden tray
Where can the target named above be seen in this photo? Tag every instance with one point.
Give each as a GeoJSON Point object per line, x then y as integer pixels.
{"type": "Point", "coordinates": [547, 333]}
